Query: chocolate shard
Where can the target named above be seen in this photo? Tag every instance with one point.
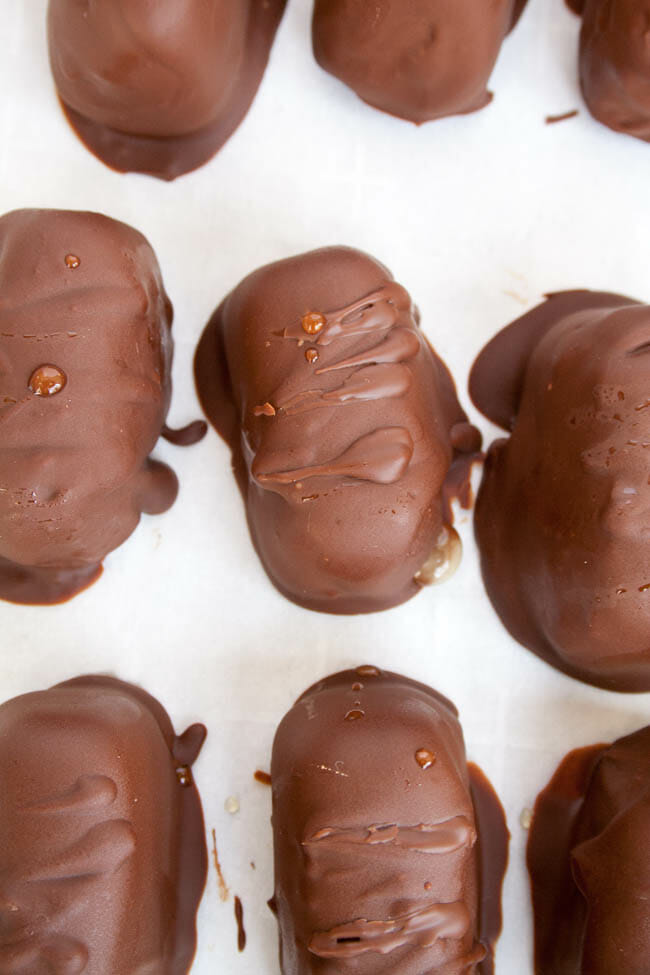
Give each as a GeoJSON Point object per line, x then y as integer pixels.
{"type": "Point", "coordinates": [419, 61]}
{"type": "Point", "coordinates": [562, 512]}
{"type": "Point", "coordinates": [347, 435]}
{"type": "Point", "coordinates": [384, 861]}
{"type": "Point", "coordinates": [103, 858]}
{"type": "Point", "coordinates": [588, 863]}
{"type": "Point", "coordinates": [159, 87]}
{"type": "Point", "coordinates": [85, 384]}
{"type": "Point", "coordinates": [615, 63]}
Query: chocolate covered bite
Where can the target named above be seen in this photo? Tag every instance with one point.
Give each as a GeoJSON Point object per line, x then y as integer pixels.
{"type": "Point", "coordinates": [419, 61]}
{"type": "Point", "coordinates": [562, 516]}
{"type": "Point", "coordinates": [389, 851]}
{"type": "Point", "coordinates": [346, 432]}
{"type": "Point", "coordinates": [159, 87]}
{"type": "Point", "coordinates": [85, 383]}
{"type": "Point", "coordinates": [615, 63]}
{"type": "Point", "coordinates": [102, 845]}
{"type": "Point", "coordinates": [588, 862]}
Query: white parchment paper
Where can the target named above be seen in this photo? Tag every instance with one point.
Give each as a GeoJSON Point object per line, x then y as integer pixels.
{"type": "Point", "coordinates": [477, 217]}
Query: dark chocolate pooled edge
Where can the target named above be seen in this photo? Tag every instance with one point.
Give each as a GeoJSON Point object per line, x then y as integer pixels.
{"type": "Point", "coordinates": [558, 905]}
{"type": "Point", "coordinates": [497, 377]}
{"type": "Point", "coordinates": [174, 156]}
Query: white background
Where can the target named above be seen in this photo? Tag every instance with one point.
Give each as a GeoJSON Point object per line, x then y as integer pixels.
{"type": "Point", "coordinates": [477, 217]}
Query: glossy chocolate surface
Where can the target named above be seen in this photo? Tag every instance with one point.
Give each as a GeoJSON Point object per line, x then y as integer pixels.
{"type": "Point", "coordinates": [419, 61]}
{"type": "Point", "coordinates": [346, 432]}
{"type": "Point", "coordinates": [588, 861]}
{"type": "Point", "coordinates": [159, 87]}
{"type": "Point", "coordinates": [615, 63]}
{"type": "Point", "coordinates": [562, 512]}
{"type": "Point", "coordinates": [102, 845]}
{"type": "Point", "coordinates": [384, 863]}
{"type": "Point", "coordinates": [85, 359]}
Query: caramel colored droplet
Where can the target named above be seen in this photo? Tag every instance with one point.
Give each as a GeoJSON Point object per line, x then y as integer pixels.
{"type": "Point", "coordinates": [424, 758]}
{"type": "Point", "coordinates": [355, 714]}
{"type": "Point", "coordinates": [262, 777]}
{"type": "Point", "coordinates": [357, 687]}
{"type": "Point", "coordinates": [47, 380]}
{"type": "Point", "coordinates": [184, 775]}
{"type": "Point", "coordinates": [313, 323]}
{"type": "Point", "coordinates": [311, 355]}
{"type": "Point", "coordinates": [72, 261]}
{"type": "Point", "coordinates": [427, 886]}
{"type": "Point", "coordinates": [366, 671]}
{"type": "Point", "coordinates": [443, 561]}
{"type": "Point", "coordinates": [267, 409]}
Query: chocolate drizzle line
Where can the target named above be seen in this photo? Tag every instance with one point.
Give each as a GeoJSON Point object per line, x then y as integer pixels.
{"type": "Point", "coordinates": [241, 930]}
{"type": "Point", "coordinates": [421, 928]}
{"type": "Point", "coordinates": [186, 436]}
{"type": "Point", "coordinates": [442, 838]}
{"type": "Point", "coordinates": [384, 455]}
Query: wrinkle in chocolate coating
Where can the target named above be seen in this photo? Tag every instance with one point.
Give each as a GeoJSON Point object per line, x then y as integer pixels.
{"type": "Point", "coordinates": [83, 294]}
{"type": "Point", "coordinates": [588, 862]}
{"type": "Point", "coordinates": [379, 861]}
{"type": "Point", "coordinates": [344, 437]}
{"type": "Point", "coordinates": [615, 63]}
{"type": "Point", "coordinates": [102, 845]}
{"type": "Point", "coordinates": [159, 87]}
{"type": "Point", "coordinates": [563, 513]}
{"type": "Point", "coordinates": [418, 61]}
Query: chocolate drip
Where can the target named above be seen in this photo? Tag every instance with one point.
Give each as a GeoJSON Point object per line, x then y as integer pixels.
{"type": "Point", "coordinates": [186, 436]}
{"type": "Point", "coordinates": [239, 919]}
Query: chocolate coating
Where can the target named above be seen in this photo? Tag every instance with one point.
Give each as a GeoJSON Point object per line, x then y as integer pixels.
{"type": "Point", "coordinates": [345, 428]}
{"type": "Point", "coordinates": [419, 61]}
{"type": "Point", "coordinates": [615, 63]}
{"type": "Point", "coordinates": [562, 512]}
{"type": "Point", "coordinates": [588, 862]}
{"type": "Point", "coordinates": [75, 472]}
{"type": "Point", "coordinates": [159, 87]}
{"type": "Point", "coordinates": [384, 862]}
{"type": "Point", "coordinates": [102, 846]}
